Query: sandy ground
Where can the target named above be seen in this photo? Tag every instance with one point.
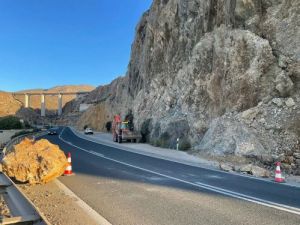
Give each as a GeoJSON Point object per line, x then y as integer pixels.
{"type": "Point", "coordinates": [4, 211]}
{"type": "Point", "coordinates": [58, 207]}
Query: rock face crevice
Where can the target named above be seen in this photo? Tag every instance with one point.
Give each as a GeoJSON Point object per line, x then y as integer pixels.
{"type": "Point", "coordinates": [226, 72]}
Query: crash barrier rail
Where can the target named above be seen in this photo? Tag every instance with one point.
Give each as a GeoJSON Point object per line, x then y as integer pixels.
{"type": "Point", "coordinates": [21, 209]}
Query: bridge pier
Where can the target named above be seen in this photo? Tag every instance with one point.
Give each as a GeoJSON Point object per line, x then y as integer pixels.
{"type": "Point", "coordinates": [28, 95]}
{"type": "Point", "coordinates": [27, 99]}
{"type": "Point", "coordinates": [59, 111]}
{"type": "Point", "coordinates": [43, 106]}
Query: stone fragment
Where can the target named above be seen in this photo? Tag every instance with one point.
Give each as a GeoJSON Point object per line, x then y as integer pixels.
{"type": "Point", "coordinates": [297, 172]}
{"type": "Point", "coordinates": [226, 167]}
{"type": "Point", "coordinates": [277, 101]}
{"type": "Point", "coordinates": [259, 171]}
{"type": "Point", "coordinates": [35, 162]}
{"type": "Point", "coordinates": [284, 84]}
{"type": "Point", "coordinates": [249, 114]}
{"type": "Point", "coordinates": [280, 158]}
{"type": "Point", "coordinates": [290, 102]}
{"type": "Point", "coordinates": [297, 155]}
{"type": "Point", "coordinates": [268, 159]}
{"type": "Point", "coordinates": [288, 159]}
{"type": "Point", "coordinates": [297, 162]}
{"type": "Point", "coordinates": [246, 168]}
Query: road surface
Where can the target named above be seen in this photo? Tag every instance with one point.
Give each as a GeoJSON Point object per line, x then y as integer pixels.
{"type": "Point", "coordinates": [129, 188]}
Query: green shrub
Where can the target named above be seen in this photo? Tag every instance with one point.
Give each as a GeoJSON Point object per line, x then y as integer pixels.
{"type": "Point", "coordinates": [108, 126]}
{"type": "Point", "coordinates": [184, 144]}
{"type": "Point", "coordinates": [129, 118]}
{"type": "Point", "coordinates": [145, 130]}
{"type": "Point", "coordinates": [10, 122]}
{"type": "Point", "coordinates": [164, 140]}
{"type": "Point", "coordinates": [27, 125]}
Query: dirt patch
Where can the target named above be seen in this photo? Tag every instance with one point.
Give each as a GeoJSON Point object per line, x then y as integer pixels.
{"type": "Point", "coordinates": [55, 205]}
{"type": "Point", "coordinates": [4, 210]}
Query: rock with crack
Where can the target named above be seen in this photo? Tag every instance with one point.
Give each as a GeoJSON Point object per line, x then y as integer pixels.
{"type": "Point", "coordinates": [35, 162]}
{"type": "Point", "coordinates": [259, 171]}
{"type": "Point", "coordinates": [226, 167]}
{"type": "Point", "coordinates": [225, 137]}
{"type": "Point", "coordinates": [254, 170]}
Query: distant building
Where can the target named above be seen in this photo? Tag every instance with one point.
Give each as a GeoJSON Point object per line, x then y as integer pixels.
{"type": "Point", "coordinates": [84, 107]}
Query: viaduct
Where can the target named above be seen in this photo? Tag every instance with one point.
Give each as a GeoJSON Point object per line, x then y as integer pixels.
{"type": "Point", "coordinates": [43, 94]}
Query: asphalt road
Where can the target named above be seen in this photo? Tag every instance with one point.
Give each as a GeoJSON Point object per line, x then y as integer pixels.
{"type": "Point", "coordinates": [129, 188]}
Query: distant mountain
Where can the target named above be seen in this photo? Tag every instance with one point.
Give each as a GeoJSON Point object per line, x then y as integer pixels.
{"type": "Point", "coordinates": [8, 105]}
{"type": "Point", "coordinates": [63, 88]}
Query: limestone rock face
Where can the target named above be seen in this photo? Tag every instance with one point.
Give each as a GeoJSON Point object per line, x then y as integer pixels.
{"type": "Point", "coordinates": [35, 162]}
{"type": "Point", "coordinates": [222, 74]}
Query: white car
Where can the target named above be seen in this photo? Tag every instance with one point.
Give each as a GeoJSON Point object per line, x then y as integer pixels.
{"type": "Point", "coordinates": [52, 131]}
{"type": "Point", "coordinates": [88, 131]}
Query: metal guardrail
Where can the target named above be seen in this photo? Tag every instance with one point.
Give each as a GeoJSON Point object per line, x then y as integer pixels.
{"type": "Point", "coordinates": [21, 208]}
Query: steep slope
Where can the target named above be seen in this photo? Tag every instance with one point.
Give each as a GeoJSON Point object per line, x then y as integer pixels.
{"type": "Point", "coordinates": [223, 75]}
{"type": "Point", "coordinates": [8, 105]}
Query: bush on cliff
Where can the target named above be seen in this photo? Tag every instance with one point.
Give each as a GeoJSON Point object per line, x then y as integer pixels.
{"type": "Point", "coordinates": [10, 122]}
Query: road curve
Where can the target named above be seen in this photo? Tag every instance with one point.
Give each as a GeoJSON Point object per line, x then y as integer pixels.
{"type": "Point", "coordinates": [129, 188]}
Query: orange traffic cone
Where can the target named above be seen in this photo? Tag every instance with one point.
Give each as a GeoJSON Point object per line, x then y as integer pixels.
{"type": "Point", "coordinates": [68, 170]}
{"type": "Point", "coordinates": [278, 177]}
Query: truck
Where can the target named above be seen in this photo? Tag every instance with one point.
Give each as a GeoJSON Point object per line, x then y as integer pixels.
{"type": "Point", "coordinates": [123, 131]}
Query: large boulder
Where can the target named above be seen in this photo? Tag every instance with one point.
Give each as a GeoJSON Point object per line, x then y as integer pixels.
{"type": "Point", "coordinates": [35, 162]}
{"type": "Point", "coordinates": [226, 136]}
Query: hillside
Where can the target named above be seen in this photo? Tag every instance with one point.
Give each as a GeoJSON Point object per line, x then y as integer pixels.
{"type": "Point", "coordinates": [8, 105]}
{"type": "Point", "coordinates": [223, 76]}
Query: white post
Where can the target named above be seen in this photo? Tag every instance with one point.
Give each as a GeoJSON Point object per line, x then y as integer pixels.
{"type": "Point", "coordinates": [177, 144]}
{"type": "Point", "coordinates": [59, 111]}
{"type": "Point", "coordinates": [43, 110]}
{"type": "Point", "coordinates": [26, 101]}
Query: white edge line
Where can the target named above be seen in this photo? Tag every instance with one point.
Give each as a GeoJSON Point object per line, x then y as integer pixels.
{"type": "Point", "coordinates": [204, 186]}
{"type": "Point", "coordinates": [128, 149]}
{"type": "Point", "coordinates": [86, 208]}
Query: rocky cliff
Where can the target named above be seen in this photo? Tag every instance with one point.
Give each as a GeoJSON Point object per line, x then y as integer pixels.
{"type": "Point", "coordinates": [222, 75]}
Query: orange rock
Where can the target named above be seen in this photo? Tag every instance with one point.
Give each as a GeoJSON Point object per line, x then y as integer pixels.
{"type": "Point", "coordinates": [35, 162]}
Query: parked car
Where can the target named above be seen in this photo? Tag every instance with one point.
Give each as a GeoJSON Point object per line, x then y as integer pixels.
{"type": "Point", "coordinates": [88, 131]}
{"type": "Point", "coordinates": [52, 131]}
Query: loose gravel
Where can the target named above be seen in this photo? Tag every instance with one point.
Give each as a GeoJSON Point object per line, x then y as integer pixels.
{"type": "Point", "coordinates": [55, 205]}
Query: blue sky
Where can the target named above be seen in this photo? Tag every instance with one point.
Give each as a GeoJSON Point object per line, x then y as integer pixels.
{"type": "Point", "coordinates": [44, 43]}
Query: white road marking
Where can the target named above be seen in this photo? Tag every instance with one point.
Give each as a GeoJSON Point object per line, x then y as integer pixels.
{"type": "Point", "coordinates": [97, 153]}
{"type": "Point", "coordinates": [214, 176]}
{"type": "Point", "coordinates": [248, 198]}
